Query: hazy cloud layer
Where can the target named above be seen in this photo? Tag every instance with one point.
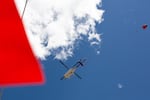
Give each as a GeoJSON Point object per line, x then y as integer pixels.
{"type": "Point", "coordinates": [54, 26]}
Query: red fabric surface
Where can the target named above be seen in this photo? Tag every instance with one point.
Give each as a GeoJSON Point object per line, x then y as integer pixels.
{"type": "Point", "coordinates": [18, 65]}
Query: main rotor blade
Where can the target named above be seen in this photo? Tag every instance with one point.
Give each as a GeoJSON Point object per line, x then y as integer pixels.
{"type": "Point", "coordinates": [64, 64]}
{"type": "Point", "coordinates": [75, 64]}
{"type": "Point", "coordinates": [84, 60]}
{"type": "Point", "coordinates": [77, 75]}
{"type": "Point", "coordinates": [62, 78]}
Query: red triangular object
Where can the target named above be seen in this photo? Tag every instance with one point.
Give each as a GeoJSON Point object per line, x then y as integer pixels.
{"type": "Point", "coordinates": [18, 66]}
{"type": "Point", "coordinates": [144, 26]}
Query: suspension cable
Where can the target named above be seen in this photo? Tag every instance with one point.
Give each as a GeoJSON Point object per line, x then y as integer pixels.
{"type": "Point", "coordinates": [24, 8]}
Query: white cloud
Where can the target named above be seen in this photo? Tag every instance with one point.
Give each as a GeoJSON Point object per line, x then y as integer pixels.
{"type": "Point", "coordinates": [54, 26]}
{"type": "Point", "coordinates": [94, 36]}
{"type": "Point", "coordinates": [120, 85]}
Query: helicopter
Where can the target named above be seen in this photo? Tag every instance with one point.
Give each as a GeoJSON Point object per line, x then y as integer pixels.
{"type": "Point", "coordinates": [71, 71]}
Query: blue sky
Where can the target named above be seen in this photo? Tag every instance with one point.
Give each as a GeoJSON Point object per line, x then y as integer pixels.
{"type": "Point", "coordinates": [123, 59]}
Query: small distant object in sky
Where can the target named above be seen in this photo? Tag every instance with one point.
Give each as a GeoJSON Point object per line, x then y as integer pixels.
{"type": "Point", "coordinates": [98, 52]}
{"type": "Point", "coordinates": [71, 71]}
{"type": "Point", "coordinates": [120, 86]}
{"type": "Point", "coordinates": [144, 26]}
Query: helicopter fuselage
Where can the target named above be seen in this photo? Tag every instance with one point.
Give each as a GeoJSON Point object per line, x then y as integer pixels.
{"type": "Point", "coordinates": [69, 73]}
